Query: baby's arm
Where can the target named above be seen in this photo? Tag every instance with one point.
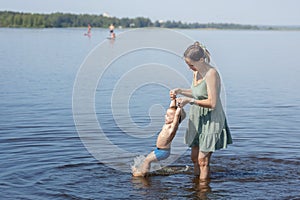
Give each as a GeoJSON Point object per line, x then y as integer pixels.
{"type": "Point", "coordinates": [173, 102]}
{"type": "Point", "coordinates": [174, 126]}
{"type": "Point", "coordinates": [175, 123]}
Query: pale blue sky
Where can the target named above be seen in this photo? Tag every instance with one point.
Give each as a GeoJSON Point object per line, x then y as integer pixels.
{"type": "Point", "coordinates": [260, 12]}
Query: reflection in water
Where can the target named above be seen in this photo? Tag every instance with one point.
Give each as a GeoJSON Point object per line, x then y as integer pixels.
{"type": "Point", "coordinates": [201, 187]}
{"type": "Point", "coordinates": [140, 182]}
{"type": "Point", "coordinates": [156, 186]}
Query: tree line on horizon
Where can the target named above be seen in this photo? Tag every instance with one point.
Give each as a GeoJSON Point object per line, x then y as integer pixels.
{"type": "Point", "coordinates": [63, 20]}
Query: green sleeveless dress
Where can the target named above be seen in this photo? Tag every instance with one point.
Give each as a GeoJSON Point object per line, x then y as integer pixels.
{"type": "Point", "coordinates": [207, 128]}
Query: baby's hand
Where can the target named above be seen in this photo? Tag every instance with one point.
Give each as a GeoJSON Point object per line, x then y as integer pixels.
{"type": "Point", "coordinates": [172, 94]}
{"type": "Point", "coordinates": [173, 97]}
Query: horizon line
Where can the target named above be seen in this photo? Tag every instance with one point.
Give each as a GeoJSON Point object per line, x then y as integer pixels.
{"type": "Point", "coordinates": [103, 14]}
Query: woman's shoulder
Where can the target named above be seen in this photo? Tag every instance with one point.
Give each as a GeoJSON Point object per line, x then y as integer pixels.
{"type": "Point", "coordinates": [213, 76]}
{"type": "Point", "coordinates": [212, 73]}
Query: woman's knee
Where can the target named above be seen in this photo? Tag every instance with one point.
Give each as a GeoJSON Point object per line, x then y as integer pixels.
{"type": "Point", "coordinates": [204, 159]}
{"type": "Point", "coordinates": [203, 162]}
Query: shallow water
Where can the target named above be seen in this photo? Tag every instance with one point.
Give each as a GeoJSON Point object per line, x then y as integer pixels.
{"type": "Point", "coordinates": [43, 157]}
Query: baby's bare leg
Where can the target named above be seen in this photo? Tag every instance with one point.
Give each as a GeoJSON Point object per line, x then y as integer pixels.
{"type": "Point", "coordinates": [147, 162]}
{"type": "Point", "coordinates": [145, 166]}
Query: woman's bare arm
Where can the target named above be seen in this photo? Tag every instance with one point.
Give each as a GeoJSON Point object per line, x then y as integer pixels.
{"type": "Point", "coordinates": [184, 92]}
{"type": "Point", "coordinates": [213, 85]}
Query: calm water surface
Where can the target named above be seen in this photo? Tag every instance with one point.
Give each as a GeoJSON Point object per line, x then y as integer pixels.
{"type": "Point", "coordinates": [42, 156]}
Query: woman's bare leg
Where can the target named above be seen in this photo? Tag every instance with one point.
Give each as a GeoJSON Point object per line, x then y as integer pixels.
{"type": "Point", "coordinates": [194, 157]}
{"type": "Point", "coordinates": [204, 160]}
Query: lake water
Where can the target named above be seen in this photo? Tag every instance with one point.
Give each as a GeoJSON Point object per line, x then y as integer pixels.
{"type": "Point", "coordinates": [43, 157]}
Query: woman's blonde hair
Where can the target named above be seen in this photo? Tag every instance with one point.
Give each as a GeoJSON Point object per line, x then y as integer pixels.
{"type": "Point", "coordinates": [197, 51]}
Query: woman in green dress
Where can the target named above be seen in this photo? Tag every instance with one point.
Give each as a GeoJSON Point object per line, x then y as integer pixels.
{"type": "Point", "coordinates": [207, 126]}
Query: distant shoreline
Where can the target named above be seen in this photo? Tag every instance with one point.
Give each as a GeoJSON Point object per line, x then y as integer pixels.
{"type": "Point", "coordinates": [11, 19]}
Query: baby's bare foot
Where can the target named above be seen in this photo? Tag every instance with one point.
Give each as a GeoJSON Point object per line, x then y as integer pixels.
{"type": "Point", "coordinates": [137, 173]}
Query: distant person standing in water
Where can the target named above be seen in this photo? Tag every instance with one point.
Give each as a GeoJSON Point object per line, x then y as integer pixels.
{"type": "Point", "coordinates": [207, 126]}
{"type": "Point", "coordinates": [89, 29]}
{"type": "Point", "coordinates": [111, 31]}
{"type": "Point", "coordinates": [88, 33]}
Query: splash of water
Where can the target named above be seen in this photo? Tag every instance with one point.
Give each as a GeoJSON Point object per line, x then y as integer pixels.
{"type": "Point", "coordinates": [138, 161]}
